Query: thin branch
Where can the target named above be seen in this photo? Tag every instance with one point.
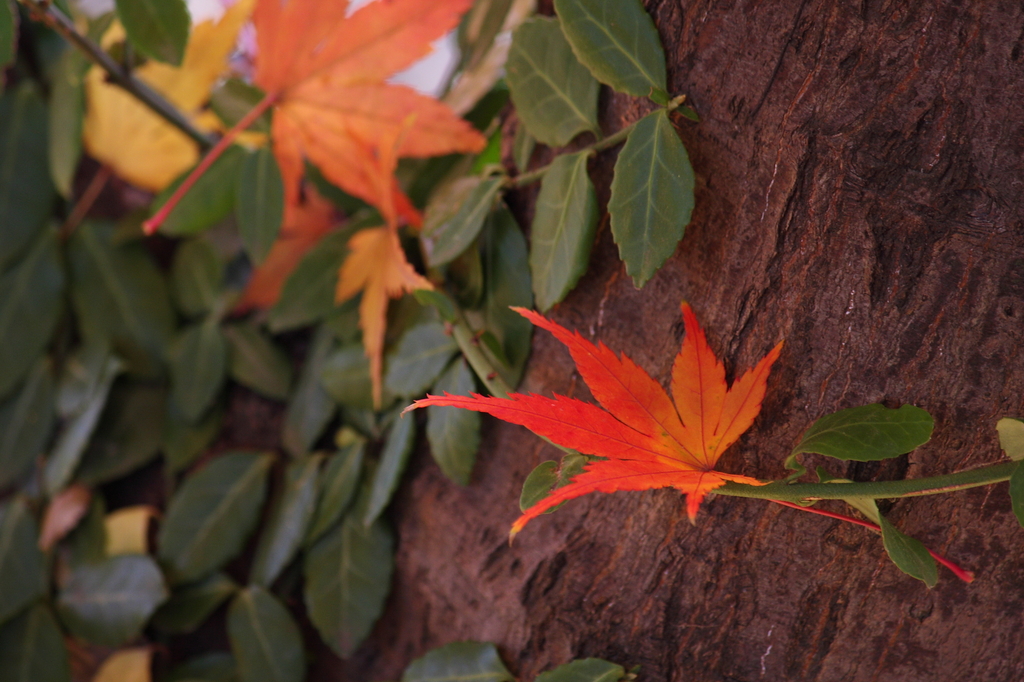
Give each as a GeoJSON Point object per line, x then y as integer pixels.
{"type": "Point", "coordinates": [469, 344]}
{"type": "Point", "coordinates": [85, 202]}
{"type": "Point", "coordinates": [524, 179]}
{"type": "Point", "coordinates": [50, 15]}
{"type": "Point", "coordinates": [914, 487]}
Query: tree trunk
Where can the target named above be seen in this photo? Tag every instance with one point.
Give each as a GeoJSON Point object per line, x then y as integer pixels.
{"type": "Point", "coordinates": [859, 195]}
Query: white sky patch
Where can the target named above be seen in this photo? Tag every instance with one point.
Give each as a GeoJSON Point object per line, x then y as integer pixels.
{"type": "Point", "coordinates": [428, 74]}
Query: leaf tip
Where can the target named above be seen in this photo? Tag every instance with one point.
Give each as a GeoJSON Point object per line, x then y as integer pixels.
{"type": "Point", "coordinates": [516, 528]}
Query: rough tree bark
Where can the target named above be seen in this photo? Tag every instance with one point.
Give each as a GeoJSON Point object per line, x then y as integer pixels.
{"type": "Point", "coordinates": [859, 195]}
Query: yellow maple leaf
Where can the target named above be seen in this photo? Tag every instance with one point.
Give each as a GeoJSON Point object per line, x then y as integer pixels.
{"type": "Point", "coordinates": [127, 665]}
{"type": "Point", "coordinates": [140, 146]}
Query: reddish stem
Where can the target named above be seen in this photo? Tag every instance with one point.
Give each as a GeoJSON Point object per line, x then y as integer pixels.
{"type": "Point", "coordinates": [966, 576]}
{"type": "Point", "coordinates": [85, 202]}
{"type": "Point", "coordinates": [154, 223]}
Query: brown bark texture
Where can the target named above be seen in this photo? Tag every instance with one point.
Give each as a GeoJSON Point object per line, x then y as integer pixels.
{"type": "Point", "coordinates": [860, 191]}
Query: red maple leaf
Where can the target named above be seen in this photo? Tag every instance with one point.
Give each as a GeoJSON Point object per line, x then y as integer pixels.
{"type": "Point", "coordinates": [647, 439]}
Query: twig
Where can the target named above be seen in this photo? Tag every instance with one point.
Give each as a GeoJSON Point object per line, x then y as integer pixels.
{"type": "Point", "coordinates": [913, 487]}
{"type": "Point", "coordinates": [524, 179]}
{"type": "Point", "coordinates": [85, 202]}
{"type": "Point", "coordinates": [50, 15]}
{"type": "Point", "coordinates": [469, 344]}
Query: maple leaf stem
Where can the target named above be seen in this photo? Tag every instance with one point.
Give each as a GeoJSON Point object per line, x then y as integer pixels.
{"type": "Point", "coordinates": [963, 574]}
{"type": "Point", "coordinates": [153, 224]}
{"type": "Point", "coordinates": [915, 487]}
{"type": "Point", "coordinates": [50, 14]}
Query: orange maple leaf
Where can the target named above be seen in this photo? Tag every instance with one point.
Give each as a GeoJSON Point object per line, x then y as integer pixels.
{"type": "Point", "coordinates": [325, 73]}
{"type": "Point", "coordinates": [647, 439]}
{"type": "Point", "coordinates": [376, 265]}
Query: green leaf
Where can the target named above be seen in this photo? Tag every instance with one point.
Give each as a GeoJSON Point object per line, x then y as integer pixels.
{"type": "Point", "coordinates": [216, 666]}
{"type": "Point", "coordinates": [210, 200]}
{"type": "Point", "coordinates": [868, 433]}
{"type": "Point", "coordinates": [487, 108]}
{"type": "Point", "coordinates": [584, 670]}
{"type": "Point", "coordinates": [233, 99]}
{"type": "Point", "coordinates": [652, 196]}
{"type": "Point", "coordinates": [490, 157]}
{"type": "Point", "coordinates": [190, 605]}
{"type": "Point", "coordinates": [310, 407]}
{"type": "Point", "coordinates": [8, 33]}
{"type": "Point", "coordinates": [454, 434]}
{"type": "Point", "coordinates": [346, 376]}
{"type": "Point", "coordinates": [459, 661]}
{"type": "Point", "coordinates": [128, 434]}
{"type": "Point", "coordinates": [289, 521]}
{"type": "Point", "coordinates": [259, 205]}
{"type": "Point", "coordinates": [264, 638]}
{"type": "Point", "coordinates": [393, 459]}
{"type": "Point", "coordinates": [909, 555]}
{"type": "Point", "coordinates": [159, 28]}
{"type": "Point", "coordinates": [87, 543]}
{"type": "Point", "coordinates": [438, 301]}
{"type": "Point", "coordinates": [617, 41]}
{"type": "Point", "coordinates": [119, 294]}
{"type": "Point", "coordinates": [257, 363]}
{"type": "Point", "coordinates": [1017, 493]}
{"type": "Point", "coordinates": [26, 191]}
{"type": "Point", "coordinates": [197, 276]}
{"type": "Point", "coordinates": [549, 475]}
{"type": "Point", "coordinates": [32, 648]}
{"type": "Point", "coordinates": [108, 603]}
{"type": "Point", "coordinates": [308, 294]}
{"type": "Point", "coordinates": [199, 361]}
{"type": "Point", "coordinates": [26, 422]}
{"type": "Point", "coordinates": [212, 514]}
{"type": "Point", "coordinates": [506, 284]}
{"type": "Point", "coordinates": [538, 484]}
{"type": "Point", "coordinates": [564, 223]}
{"type": "Point", "coordinates": [102, 368]}
{"type": "Point", "coordinates": [31, 300]}
{"type": "Point", "coordinates": [555, 95]}
{"type": "Point", "coordinates": [419, 358]}
{"type": "Point", "coordinates": [183, 441]}
{"type": "Point", "coordinates": [449, 228]}
{"type": "Point", "coordinates": [82, 374]}
{"type": "Point", "coordinates": [22, 567]}
{"type": "Point", "coordinates": [338, 486]}
{"type": "Point", "coordinates": [478, 29]}
{"type": "Point", "coordinates": [523, 145]}
{"type": "Point", "coordinates": [1011, 437]}
{"type": "Point", "coordinates": [348, 577]}
{"type": "Point", "coordinates": [688, 112]}
{"type": "Point", "coordinates": [66, 113]}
